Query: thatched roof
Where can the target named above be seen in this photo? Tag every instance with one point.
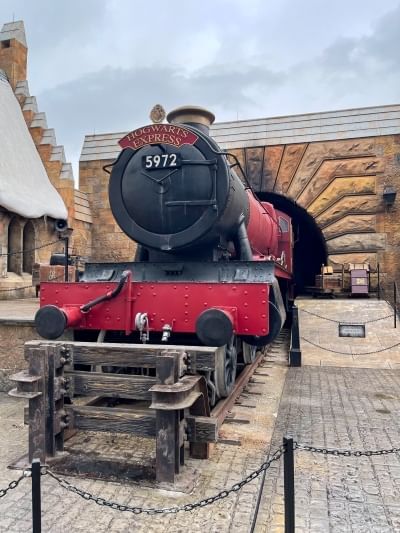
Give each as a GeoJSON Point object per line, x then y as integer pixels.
{"type": "Point", "coordinates": [24, 185]}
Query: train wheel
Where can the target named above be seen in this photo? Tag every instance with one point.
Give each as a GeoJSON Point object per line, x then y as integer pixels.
{"type": "Point", "coordinates": [225, 370]}
{"type": "Point", "coordinates": [249, 353]}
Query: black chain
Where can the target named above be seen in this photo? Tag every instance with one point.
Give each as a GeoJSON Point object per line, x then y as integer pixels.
{"type": "Point", "coordinates": [344, 453]}
{"type": "Point", "coordinates": [14, 484]}
{"type": "Point", "coordinates": [30, 249]}
{"type": "Point", "coordinates": [176, 509]}
{"type": "Point", "coordinates": [206, 501]}
{"type": "Point", "coordinates": [344, 321]}
{"type": "Point", "coordinates": [357, 353]}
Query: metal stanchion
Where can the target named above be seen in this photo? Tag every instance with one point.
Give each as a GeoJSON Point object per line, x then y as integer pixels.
{"type": "Point", "coordinates": [395, 303]}
{"type": "Point", "coordinates": [36, 498]}
{"type": "Point", "coordinates": [295, 351]}
{"type": "Point", "coordinates": [288, 478]}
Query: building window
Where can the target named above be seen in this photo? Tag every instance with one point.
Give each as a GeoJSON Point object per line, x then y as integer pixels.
{"type": "Point", "coordinates": [6, 44]}
{"type": "Point", "coordinates": [14, 261]}
{"type": "Point", "coordinates": [28, 240]}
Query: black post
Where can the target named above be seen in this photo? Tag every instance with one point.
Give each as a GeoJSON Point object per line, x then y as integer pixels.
{"type": "Point", "coordinates": [288, 478]}
{"type": "Point", "coordinates": [36, 498]}
{"type": "Point", "coordinates": [395, 303]}
{"type": "Point", "coordinates": [379, 283]}
{"type": "Point", "coordinates": [66, 246]}
{"type": "Point", "coordinates": [295, 352]}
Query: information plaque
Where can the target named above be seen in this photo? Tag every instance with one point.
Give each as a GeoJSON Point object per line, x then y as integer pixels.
{"type": "Point", "coordinates": [351, 330]}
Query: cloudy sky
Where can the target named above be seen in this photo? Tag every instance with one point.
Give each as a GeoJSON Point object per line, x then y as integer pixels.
{"type": "Point", "coordinates": [100, 65]}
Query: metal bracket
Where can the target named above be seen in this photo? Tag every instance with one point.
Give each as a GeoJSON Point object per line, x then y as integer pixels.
{"type": "Point", "coordinates": [27, 385]}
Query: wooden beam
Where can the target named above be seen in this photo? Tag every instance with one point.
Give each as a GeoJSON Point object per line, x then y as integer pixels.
{"type": "Point", "coordinates": [168, 457]}
{"type": "Point", "coordinates": [133, 355]}
{"type": "Point", "coordinates": [36, 358]}
{"type": "Point", "coordinates": [117, 385]}
{"type": "Point", "coordinates": [202, 429]}
{"type": "Point", "coordinates": [111, 419]}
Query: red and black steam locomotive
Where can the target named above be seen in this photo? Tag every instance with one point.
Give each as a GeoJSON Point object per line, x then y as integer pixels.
{"type": "Point", "coordinates": [212, 261]}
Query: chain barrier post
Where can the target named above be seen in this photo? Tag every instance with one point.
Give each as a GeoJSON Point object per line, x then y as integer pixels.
{"type": "Point", "coordinates": [288, 480]}
{"type": "Point", "coordinates": [395, 304]}
{"type": "Point", "coordinates": [295, 351]}
{"type": "Point", "coordinates": [36, 497]}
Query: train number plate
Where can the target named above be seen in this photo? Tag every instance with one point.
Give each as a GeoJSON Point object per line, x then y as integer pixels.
{"type": "Point", "coordinates": [157, 161]}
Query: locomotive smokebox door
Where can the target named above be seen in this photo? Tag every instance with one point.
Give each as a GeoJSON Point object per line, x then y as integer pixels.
{"type": "Point", "coordinates": [171, 188]}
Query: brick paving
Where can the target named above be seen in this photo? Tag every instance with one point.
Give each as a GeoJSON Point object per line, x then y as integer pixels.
{"type": "Point", "coordinates": [342, 408]}
{"type": "Point", "coordinates": [324, 333]}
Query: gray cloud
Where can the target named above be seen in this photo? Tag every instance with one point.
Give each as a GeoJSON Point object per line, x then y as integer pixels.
{"type": "Point", "coordinates": [100, 65]}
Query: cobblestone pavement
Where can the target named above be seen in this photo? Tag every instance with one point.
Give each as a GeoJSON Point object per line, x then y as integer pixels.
{"type": "Point", "coordinates": [323, 333]}
{"type": "Point", "coordinates": [229, 463]}
{"type": "Point", "coordinates": [342, 408]}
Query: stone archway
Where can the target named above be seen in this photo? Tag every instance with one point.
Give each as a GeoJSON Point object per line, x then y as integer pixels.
{"type": "Point", "coordinates": [14, 259]}
{"type": "Point", "coordinates": [28, 240]}
{"type": "Point", "coordinates": [335, 182]}
{"type": "Point", "coordinates": [310, 250]}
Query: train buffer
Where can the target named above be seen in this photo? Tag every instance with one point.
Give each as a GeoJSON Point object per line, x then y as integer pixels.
{"type": "Point", "coordinates": [168, 384]}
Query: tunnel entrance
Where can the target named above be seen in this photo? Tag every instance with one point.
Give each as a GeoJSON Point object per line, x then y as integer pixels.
{"type": "Point", "coordinates": [309, 244]}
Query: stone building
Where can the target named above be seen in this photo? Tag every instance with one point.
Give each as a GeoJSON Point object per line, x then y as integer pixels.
{"type": "Point", "coordinates": [336, 173]}
{"type": "Point", "coordinates": [36, 182]}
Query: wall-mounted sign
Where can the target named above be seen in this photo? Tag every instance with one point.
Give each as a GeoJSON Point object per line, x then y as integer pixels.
{"type": "Point", "coordinates": [158, 134]}
{"type": "Point", "coordinates": [352, 330]}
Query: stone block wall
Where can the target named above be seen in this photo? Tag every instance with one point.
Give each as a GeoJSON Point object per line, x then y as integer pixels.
{"type": "Point", "coordinates": [11, 283]}
{"type": "Point", "coordinates": [13, 335]}
{"type": "Point", "coordinates": [109, 243]}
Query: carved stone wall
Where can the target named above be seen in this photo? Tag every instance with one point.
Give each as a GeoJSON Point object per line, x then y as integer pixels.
{"type": "Point", "coordinates": [340, 184]}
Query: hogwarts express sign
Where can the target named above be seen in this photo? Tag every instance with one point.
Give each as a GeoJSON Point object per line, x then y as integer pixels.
{"type": "Point", "coordinates": [158, 134]}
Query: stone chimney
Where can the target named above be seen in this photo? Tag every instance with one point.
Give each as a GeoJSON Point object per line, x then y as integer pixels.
{"type": "Point", "coordinates": [13, 52]}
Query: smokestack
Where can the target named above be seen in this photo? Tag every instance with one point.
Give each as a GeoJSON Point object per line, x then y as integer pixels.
{"type": "Point", "coordinates": [192, 115]}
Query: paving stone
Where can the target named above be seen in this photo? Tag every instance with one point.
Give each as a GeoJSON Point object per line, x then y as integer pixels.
{"type": "Point", "coordinates": [334, 493]}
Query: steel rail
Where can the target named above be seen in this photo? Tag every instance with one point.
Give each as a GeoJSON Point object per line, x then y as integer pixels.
{"type": "Point", "coordinates": [223, 407]}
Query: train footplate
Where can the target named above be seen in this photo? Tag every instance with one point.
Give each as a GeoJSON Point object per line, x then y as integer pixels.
{"type": "Point", "coordinates": [171, 400]}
